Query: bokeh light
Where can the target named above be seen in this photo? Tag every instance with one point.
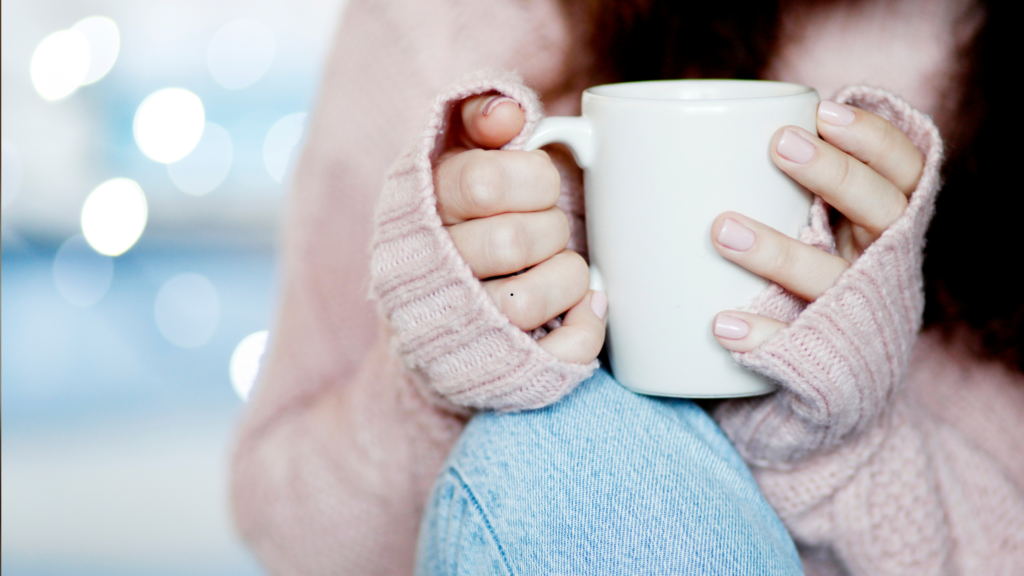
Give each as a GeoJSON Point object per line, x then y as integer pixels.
{"type": "Point", "coordinates": [187, 310]}
{"type": "Point", "coordinates": [207, 165]}
{"type": "Point", "coordinates": [10, 173]}
{"type": "Point", "coordinates": [114, 216]}
{"type": "Point", "coordinates": [60, 64]}
{"type": "Point", "coordinates": [240, 53]}
{"type": "Point", "coordinates": [104, 44]}
{"type": "Point", "coordinates": [169, 124]}
{"type": "Point", "coordinates": [245, 363]}
{"type": "Point", "coordinates": [280, 144]}
{"type": "Point", "coordinates": [104, 417]}
{"type": "Point", "coordinates": [81, 275]}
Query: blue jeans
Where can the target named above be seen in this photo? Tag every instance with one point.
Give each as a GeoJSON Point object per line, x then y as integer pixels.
{"type": "Point", "coordinates": [604, 482]}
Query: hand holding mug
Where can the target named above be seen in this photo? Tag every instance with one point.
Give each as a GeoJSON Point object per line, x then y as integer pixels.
{"type": "Point", "coordinates": [863, 166]}
{"type": "Point", "coordinates": [661, 159]}
{"type": "Point", "coordinates": [499, 209]}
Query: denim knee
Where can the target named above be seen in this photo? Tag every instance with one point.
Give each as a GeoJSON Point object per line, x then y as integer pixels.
{"type": "Point", "coordinates": [603, 482]}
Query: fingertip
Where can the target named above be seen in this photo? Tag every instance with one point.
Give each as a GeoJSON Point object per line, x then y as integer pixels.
{"type": "Point", "coordinates": [783, 140]}
{"type": "Point", "coordinates": [491, 121]}
{"type": "Point", "coordinates": [835, 114]}
{"type": "Point", "coordinates": [719, 222]}
{"type": "Point", "coordinates": [494, 102]}
{"type": "Point", "coordinates": [778, 136]}
{"type": "Point", "coordinates": [731, 233]}
{"type": "Point", "coordinates": [742, 332]}
{"type": "Point", "coordinates": [731, 326]}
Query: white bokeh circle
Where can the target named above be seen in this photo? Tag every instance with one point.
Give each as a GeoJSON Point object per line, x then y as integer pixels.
{"type": "Point", "coordinates": [114, 216]}
{"type": "Point", "coordinates": [59, 64]}
{"type": "Point", "coordinates": [245, 363]}
{"type": "Point", "coordinates": [168, 124]}
{"type": "Point", "coordinates": [187, 310]}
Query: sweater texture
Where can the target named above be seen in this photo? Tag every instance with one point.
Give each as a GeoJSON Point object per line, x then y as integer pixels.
{"type": "Point", "coordinates": [883, 451]}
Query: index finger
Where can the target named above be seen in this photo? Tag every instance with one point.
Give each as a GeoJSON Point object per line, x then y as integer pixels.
{"type": "Point", "coordinates": [874, 141]}
{"type": "Point", "coordinates": [860, 193]}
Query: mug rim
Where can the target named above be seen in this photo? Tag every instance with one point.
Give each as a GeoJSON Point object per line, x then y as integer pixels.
{"type": "Point", "coordinates": [596, 91]}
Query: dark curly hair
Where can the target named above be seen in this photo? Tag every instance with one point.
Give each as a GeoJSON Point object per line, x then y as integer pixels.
{"type": "Point", "coordinates": [970, 269]}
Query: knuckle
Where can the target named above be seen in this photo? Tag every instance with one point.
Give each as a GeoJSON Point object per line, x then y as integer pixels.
{"type": "Point", "coordinates": [508, 245]}
{"type": "Point", "coordinates": [888, 143]}
{"type": "Point", "coordinates": [481, 182]}
{"type": "Point", "coordinates": [843, 177]}
{"type": "Point", "coordinates": [784, 260]}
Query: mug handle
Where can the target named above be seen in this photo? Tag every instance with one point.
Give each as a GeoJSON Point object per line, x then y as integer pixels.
{"type": "Point", "coordinates": [576, 132]}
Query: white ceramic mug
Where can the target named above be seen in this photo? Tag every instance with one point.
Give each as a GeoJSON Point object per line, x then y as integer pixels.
{"type": "Point", "coordinates": [661, 160]}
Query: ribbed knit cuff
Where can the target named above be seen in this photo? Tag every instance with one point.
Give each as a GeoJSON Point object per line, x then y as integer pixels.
{"type": "Point", "coordinates": [445, 326]}
{"type": "Point", "coordinates": [846, 354]}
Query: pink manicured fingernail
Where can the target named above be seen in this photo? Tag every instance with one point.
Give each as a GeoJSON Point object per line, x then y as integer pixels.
{"type": "Point", "coordinates": [735, 236]}
{"type": "Point", "coordinates": [795, 148]}
{"type": "Point", "coordinates": [731, 327]}
{"type": "Point", "coordinates": [835, 113]}
{"type": "Point", "coordinates": [493, 102]}
{"type": "Point", "coordinates": [599, 303]}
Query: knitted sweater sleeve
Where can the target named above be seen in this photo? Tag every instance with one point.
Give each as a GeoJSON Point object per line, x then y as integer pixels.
{"type": "Point", "coordinates": [454, 340]}
{"type": "Point", "coordinates": [844, 356]}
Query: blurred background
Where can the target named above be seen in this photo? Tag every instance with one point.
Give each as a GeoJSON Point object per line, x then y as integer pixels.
{"type": "Point", "coordinates": [146, 152]}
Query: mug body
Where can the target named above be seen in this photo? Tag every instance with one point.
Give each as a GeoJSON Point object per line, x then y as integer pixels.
{"type": "Point", "coordinates": [667, 158]}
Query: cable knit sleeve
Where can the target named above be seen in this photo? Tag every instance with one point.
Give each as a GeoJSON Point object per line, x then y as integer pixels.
{"type": "Point", "coordinates": [845, 355]}
{"type": "Point", "coordinates": [452, 337]}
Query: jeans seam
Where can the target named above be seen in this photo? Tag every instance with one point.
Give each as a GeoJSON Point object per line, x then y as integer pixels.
{"type": "Point", "coordinates": [480, 509]}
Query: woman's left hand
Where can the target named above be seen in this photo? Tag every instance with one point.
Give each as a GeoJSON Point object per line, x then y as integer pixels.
{"type": "Point", "coordinates": [862, 166]}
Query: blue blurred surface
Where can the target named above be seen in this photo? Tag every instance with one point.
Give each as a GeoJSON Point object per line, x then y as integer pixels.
{"type": "Point", "coordinates": [62, 363]}
{"type": "Point", "coordinates": [115, 441]}
{"type": "Point", "coordinates": [104, 417]}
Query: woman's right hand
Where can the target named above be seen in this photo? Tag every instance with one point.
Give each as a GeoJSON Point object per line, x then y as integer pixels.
{"type": "Point", "coordinates": [499, 208]}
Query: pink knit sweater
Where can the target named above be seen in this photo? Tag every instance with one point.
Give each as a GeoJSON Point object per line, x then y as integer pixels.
{"type": "Point", "coordinates": [883, 452]}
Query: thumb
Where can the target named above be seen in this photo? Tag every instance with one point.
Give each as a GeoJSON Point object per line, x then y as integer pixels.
{"type": "Point", "coordinates": [581, 336]}
{"type": "Point", "coordinates": [490, 121]}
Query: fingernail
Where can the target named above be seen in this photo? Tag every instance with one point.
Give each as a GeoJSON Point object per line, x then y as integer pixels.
{"type": "Point", "coordinates": [599, 303]}
{"type": "Point", "coordinates": [731, 327]}
{"type": "Point", "coordinates": [795, 148]}
{"type": "Point", "coordinates": [735, 236]}
{"type": "Point", "coordinates": [493, 102]}
{"type": "Point", "coordinates": [835, 113]}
